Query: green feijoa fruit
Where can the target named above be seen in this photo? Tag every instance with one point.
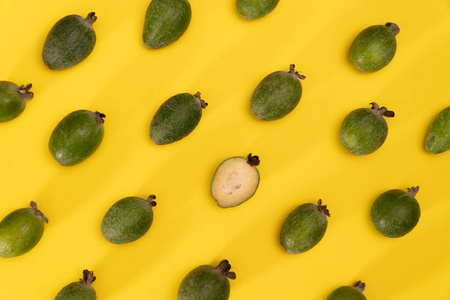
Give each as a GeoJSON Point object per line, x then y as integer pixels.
{"type": "Point", "coordinates": [76, 137]}
{"type": "Point", "coordinates": [349, 293]}
{"type": "Point", "coordinates": [165, 22]}
{"type": "Point", "coordinates": [395, 213]}
{"type": "Point", "coordinates": [69, 42]}
{"type": "Point", "coordinates": [176, 118]}
{"type": "Point", "coordinates": [235, 180]}
{"type": "Point", "coordinates": [21, 230]}
{"type": "Point", "coordinates": [304, 227]}
{"type": "Point", "coordinates": [438, 138]}
{"type": "Point", "coordinates": [364, 130]}
{"type": "Point", "coordinates": [277, 95]}
{"type": "Point", "coordinates": [80, 290]}
{"type": "Point", "coordinates": [13, 100]}
{"type": "Point", "coordinates": [128, 219]}
{"type": "Point", "coordinates": [374, 47]}
{"type": "Point", "coordinates": [207, 283]}
{"type": "Point", "coordinates": [255, 9]}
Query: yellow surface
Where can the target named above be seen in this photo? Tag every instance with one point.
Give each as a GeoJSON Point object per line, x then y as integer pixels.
{"type": "Point", "coordinates": [224, 57]}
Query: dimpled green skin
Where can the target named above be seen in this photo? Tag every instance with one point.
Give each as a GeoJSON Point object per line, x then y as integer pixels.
{"type": "Point", "coordinates": [81, 290]}
{"type": "Point", "coordinates": [127, 220]}
{"type": "Point", "coordinates": [204, 283]}
{"type": "Point", "coordinates": [303, 228]}
{"type": "Point", "coordinates": [276, 95]}
{"type": "Point", "coordinates": [20, 231]}
{"type": "Point", "coordinates": [76, 137]}
{"type": "Point", "coordinates": [69, 42]}
{"type": "Point", "coordinates": [77, 291]}
{"type": "Point", "coordinates": [363, 131]}
{"type": "Point", "coordinates": [176, 118]}
{"type": "Point", "coordinates": [12, 100]}
{"type": "Point", "coordinates": [395, 213]}
{"type": "Point", "coordinates": [165, 22]}
{"type": "Point", "coordinates": [438, 138]}
{"type": "Point", "coordinates": [346, 293]}
{"type": "Point", "coordinates": [373, 48]}
{"type": "Point", "coordinates": [255, 9]}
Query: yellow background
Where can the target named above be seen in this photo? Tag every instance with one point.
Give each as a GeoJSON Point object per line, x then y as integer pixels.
{"type": "Point", "coordinates": [224, 57]}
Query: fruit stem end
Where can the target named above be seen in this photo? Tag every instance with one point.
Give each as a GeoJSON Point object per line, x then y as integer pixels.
{"type": "Point", "coordinates": [412, 191]}
{"type": "Point", "coordinates": [88, 277]}
{"type": "Point", "coordinates": [360, 286]}
{"type": "Point", "coordinates": [24, 90]}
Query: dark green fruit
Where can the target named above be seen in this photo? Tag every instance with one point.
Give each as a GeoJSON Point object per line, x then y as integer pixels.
{"type": "Point", "coordinates": [364, 130]}
{"type": "Point", "coordinates": [255, 9]}
{"type": "Point", "coordinates": [438, 138]}
{"type": "Point", "coordinates": [13, 100]}
{"type": "Point", "coordinates": [21, 230]}
{"type": "Point", "coordinates": [277, 95]}
{"type": "Point", "coordinates": [304, 227]}
{"type": "Point", "coordinates": [176, 118]}
{"type": "Point", "coordinates": [235, 180]}
{"type": "Point", "coordinates": [81, 290]}
{"type": "Point", "coordinates": [69, 42]}
{"type": "Point", "coordinates": [374, 47]}
{"type": "Point", "coordinates": [207, 283]}
{"type": "Point", "coordinates": [76, 137]}
{"type": "Point", "coordinates": [348, 292]}
{"type": "Point", "coordinates": [165, 22]}
{"type": "Point", "coordinates": [395, 213]}
{"type": "Point", "coordinates": [128, 219]}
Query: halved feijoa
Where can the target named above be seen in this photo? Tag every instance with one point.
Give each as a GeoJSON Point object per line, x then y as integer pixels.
{"type": "Point", "coordinates": [349, 292]}
{"type": "Point", "coordinates": [255, 9]}
{"type": "Point", "coordinates": [69, 42]}
{"type": "Point", "coordinates": [235, 180]}
{"type": "Point", "coordinates": [128, 219]}
{"type": "Point", "coordinates": [364, 130]}
{"type": "Point", "coordinates": [176, 118]}
{"type": "Point", "coordinates": [21, 230]}
{"type": "Point", "coordinates": [80, 290]}
{"type": "Point", "coordinates": [13, 99]}
{"type": "Point", "coordinates": [165, 22]}
{"type": "Point", "coordinates": [207, 283]}
{"type": "Point", "coordinates": [395, 213]}
{"type": "Point", "coordinates": [76, 137]}
{"type": "Point", "coordinates": [277, 95]}
{"type": "Point", "coordinates": [438, 138]}
{"type": "Point", "coordinates": [374, 47]}
{"type": "Point", "coordinates": [304, 227]}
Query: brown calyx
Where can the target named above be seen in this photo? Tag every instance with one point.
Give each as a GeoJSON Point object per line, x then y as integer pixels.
{"type": "Point", "coordinates": [150, 200]}
{"type": "Point", "coordinates": [224, 268]}
{"type": "Point", "coordinates": [295, 73]}
{"type": "Point", "coordinates": [323, 208]}
{"type": "Point", "coordinates": [412, 191]}
{"type": "Point", "coordinates": [99, 117]}
{"type": "Point", "coordinates": [393, 28]}
{"type": "Point", "coordinates": [360, 286]}
{"type": "Point", "coordinates": [253, 160]}
{"type": "Point", "coordinates": [203, 104]}
{"type": "Point", "coordinates": [90, 19]}
{"type": "Point", "coordinates": [38, 212]}
{"type": "Point", "coordinates": [24, 91]}
{"type": "Point", "coordinates": [88, 277]}
{"type": "Point", "coordinates": [382, 111]}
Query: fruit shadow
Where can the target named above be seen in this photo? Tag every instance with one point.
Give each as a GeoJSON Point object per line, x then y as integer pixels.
{"type": "Point", "coordinates": [125, 263]}
{"type": "Point", "coordinates": [401, 269]}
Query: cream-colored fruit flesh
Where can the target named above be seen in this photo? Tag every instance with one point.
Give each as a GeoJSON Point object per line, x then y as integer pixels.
{"type": "Point", "coordinates": [234, 182]}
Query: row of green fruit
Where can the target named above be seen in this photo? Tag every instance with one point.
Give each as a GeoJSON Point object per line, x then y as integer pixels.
{"type": "Point", "coordinates": [79, 134]}
{"type": "Point", "coordinates": [216, 279]}
{"type": "Point", "coordinates": [394, 214]}
{"type": "Point", "coordinates": [72, 39]}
